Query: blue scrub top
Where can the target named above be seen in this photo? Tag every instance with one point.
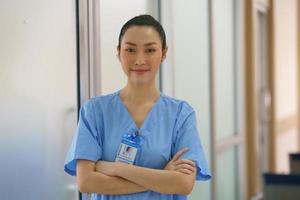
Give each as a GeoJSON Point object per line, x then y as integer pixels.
{"type": "Point", "coordinates": [169, 126]}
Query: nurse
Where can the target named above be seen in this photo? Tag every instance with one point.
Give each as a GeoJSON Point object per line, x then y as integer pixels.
{"type": "Point", "coordinates": [137, 143]}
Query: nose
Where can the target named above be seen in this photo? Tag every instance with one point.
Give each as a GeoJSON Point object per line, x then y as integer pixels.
{"type": "Point", "coordinates": [140, 59]}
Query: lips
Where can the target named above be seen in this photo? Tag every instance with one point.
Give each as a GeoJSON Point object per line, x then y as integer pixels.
{"type": "Point", "coordinates": [139, 71]}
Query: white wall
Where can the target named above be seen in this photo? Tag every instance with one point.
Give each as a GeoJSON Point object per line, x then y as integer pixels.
{"type": "Point", "coordinates": [285, 15]}
{"type": "Point", "coordinates": [186, 68]}
{"type": "Point", "coordinates": [285, 22]}
{"type": "Point", "coordinates": [285, 143]}
{"type": "Point", "coordinates": [37, 98]}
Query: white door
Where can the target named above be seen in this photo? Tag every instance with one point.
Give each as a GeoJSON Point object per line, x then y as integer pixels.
{"type": "Point", "coordinates": [38, 98]}
{"type": "Point", "coordinates": [227, 87]}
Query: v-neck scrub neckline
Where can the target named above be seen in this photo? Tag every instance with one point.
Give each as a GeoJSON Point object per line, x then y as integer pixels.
{"type": "Point", "coordinates": [148, 116]}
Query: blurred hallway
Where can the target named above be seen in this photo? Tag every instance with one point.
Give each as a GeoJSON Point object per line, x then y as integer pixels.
{"type": "Point", "coordinates": [236, 61]}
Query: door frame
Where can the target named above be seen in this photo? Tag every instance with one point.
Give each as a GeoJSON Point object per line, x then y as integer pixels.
{"type": "Point", "coordinates": [298, 55]}
{"type": "Point", "coordinates": [89, 49]}
{"type": "Point", "coordinates": [251, 9]}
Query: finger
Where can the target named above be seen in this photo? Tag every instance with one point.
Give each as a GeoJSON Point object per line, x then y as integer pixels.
{"type": "Point", "coordinates": [188, 162]}
{"type": "Point", "coordinates": [179, 153]}
{"type": "Point", "coordinates": [184, 161]}
{"type": "Point", "coordinates": [185, 171]}
{"type": "Point", "coordinates": [185, 166]}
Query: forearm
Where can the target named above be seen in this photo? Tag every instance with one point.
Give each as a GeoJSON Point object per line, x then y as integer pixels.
{"type": "Point", "coordinates": [90, 181]}
{"type": "Point", "coordinates": [103, 184]}
{"type": "Point", "coordinates": [162, 181]}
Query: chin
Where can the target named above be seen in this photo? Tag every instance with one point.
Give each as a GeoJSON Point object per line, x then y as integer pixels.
{"type": "Point", "coordinates": [141, 82]}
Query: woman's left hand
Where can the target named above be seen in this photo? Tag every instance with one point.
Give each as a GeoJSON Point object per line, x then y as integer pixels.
{"type": "Point", "coordinates": [181, 165]}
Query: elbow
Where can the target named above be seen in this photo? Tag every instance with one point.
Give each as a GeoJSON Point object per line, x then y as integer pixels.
{"type": "Point", "coordinates": [187, 186]}
{"type": "Point", "coordinates": [82, 189]}
{"type": "Point", "coordinates": [186, 190]}
{"type": "Point", "coordinates": [82, 184]}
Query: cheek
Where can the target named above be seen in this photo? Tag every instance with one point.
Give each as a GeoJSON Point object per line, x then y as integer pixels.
{"type": "Point", "coordinates": [156, 61]}
{"type": "Point", "coordinates": [125, 62]}
{"type": "Point", "coordinates": [125, 69]}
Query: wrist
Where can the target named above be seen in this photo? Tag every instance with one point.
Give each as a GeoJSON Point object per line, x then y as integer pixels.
{"type": "Point", "coordinates": [120, 168]}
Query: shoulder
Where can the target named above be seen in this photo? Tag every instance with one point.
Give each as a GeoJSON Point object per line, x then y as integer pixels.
{"type": "Point", "coordinates": [99, 104]}
{"type": "Point", "coordinates": [182, 111]}
{"type": "Point", "coordinates": [101, 100]}
{"type": "Point", "coordinates": [96, 107]}
{"type": "Point", "coordinates": [182, 107]}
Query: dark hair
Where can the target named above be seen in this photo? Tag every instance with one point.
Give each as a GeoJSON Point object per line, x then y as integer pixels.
{"type": "Point", "coordinates": [144, 20]}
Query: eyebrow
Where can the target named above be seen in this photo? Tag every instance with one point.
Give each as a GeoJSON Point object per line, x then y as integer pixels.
{"type": "Point", "coordinates": [150, 43]}
{"type": "Point", "coordinates": [147, 44]}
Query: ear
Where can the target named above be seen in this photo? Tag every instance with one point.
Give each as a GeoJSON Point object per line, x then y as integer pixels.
{"type": "Point", "coordinates": [164, 54]}
{"type": "Point", "coordinates": [118, 52]}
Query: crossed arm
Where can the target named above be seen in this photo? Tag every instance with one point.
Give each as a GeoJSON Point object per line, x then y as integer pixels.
{"type": "Point", "coordinates": [103, 177]}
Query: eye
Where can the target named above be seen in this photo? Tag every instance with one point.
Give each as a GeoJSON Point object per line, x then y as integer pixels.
{"type": "Point", "coordinates": [151, 50]}
{"type": "Point", "coordinates": [130, 50]}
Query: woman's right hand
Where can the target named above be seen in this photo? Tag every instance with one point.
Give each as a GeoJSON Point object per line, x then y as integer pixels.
{"type": "Point", "coordinates": [181, 165]}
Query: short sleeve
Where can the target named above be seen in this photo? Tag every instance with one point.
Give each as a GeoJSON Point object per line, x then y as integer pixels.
{"type": "Point", "coordinates": [187, 136]}
{"type": "Point", "coordinates": [86, 143]}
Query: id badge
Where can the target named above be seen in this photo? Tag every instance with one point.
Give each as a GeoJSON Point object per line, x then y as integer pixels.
{"type": "Point", "coordinates": [129, 148]}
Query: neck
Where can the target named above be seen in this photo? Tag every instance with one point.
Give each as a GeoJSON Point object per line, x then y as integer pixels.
{"type": "Point", "coordinates": [139, 94]}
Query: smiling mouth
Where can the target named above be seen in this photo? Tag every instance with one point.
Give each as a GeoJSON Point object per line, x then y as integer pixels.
{"type": "Point", "coordinates": [140, 71]}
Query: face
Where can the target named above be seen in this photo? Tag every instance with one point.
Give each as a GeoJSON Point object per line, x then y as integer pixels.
{"type": "Point", "coordinates": [141, 54]}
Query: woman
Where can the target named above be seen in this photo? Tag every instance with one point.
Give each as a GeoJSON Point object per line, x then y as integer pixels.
{"type": "Point", "coordinates": [137, 143]}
